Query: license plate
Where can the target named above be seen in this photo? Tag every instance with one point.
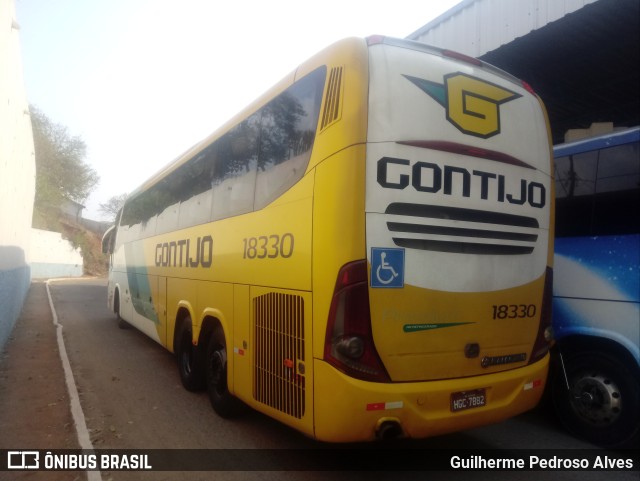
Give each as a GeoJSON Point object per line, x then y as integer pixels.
{"type": "Point", "coordinates": [468, 399]}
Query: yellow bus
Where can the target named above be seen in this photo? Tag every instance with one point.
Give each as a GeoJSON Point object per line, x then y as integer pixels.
{"type": "Point", "coordinates": [362, 253]}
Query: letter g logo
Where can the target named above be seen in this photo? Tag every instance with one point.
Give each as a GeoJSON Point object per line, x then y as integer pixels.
{"type": "Point", "coordinates": [472, 105]}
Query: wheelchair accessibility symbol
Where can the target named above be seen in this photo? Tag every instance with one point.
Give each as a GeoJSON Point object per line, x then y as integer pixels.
{"type": "Point", "coordinates": [387, 267]}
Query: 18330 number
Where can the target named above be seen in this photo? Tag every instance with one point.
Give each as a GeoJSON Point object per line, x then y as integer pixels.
{"type": "Point", "coordinates": [268, 246]}
{"type": "Point", "coordinates": [514, 311]}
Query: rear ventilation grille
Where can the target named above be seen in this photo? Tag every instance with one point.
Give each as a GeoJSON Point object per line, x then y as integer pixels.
{"type": "Point", "coordinates": [462, 231]}
{"type": "Point", "coordinates": [278, 379]}
{"type": "Point", "coordinates": [333, 103]}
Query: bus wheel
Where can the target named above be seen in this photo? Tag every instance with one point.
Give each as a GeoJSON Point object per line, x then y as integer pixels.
{"type": "Point", "coordinates": [601, 404]}
{"type": "Point", "coordinates": [122, 324]}
{"type": "Point", "coordinates": [223, 402]}
{"type": "Point", "coordinates": [186, 355]}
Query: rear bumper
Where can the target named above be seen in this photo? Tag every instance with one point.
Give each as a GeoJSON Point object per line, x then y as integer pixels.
{"type": "Point", "coordinates": [350, 410]}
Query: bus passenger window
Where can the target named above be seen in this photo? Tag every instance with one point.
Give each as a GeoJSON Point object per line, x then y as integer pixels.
{"type": "Point", "coordinates": [235, 170]}
{"type": "Point", "coordinates": [288, 129]}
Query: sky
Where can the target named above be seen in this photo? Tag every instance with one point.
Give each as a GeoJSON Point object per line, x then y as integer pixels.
{"type": "Point", "coordinates": [141, 81]}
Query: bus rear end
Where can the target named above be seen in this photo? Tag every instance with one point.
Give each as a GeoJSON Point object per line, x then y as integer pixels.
{"type": "Point", "coordinates": [445, 325]}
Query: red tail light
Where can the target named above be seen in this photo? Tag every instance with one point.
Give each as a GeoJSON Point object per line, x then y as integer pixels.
{"type": "Point", "coordinates": [544, 338]}
{"type": "Point", "coordinates": [349, 342]}
{"type": "Point", "coordinates": [528, 87]}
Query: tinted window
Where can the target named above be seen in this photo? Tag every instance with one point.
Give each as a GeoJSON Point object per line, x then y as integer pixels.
{"type": "Point", "coordinates": [288, 128]}
{"type": "Point", "coordinates": [598, 192]}
{"type": "Point", "coordinates": [234, 176]}
{"type": "Point", "coordinates": [576, 174]}
{"type": "Point", "coordinates": [196, 179]}
{"type": "Point", "coordinates": [245, 169]}
{"type": "Point", "coordinates": [619, 168]}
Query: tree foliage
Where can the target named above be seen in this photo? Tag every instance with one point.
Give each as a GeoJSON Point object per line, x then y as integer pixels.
{"type": "Point", "coordinates": [61, 170]}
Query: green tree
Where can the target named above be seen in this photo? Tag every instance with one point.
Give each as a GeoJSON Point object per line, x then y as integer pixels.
{"type": "Point", "coordinates": [61, 170]}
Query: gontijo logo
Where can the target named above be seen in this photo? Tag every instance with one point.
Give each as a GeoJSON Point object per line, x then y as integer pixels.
{"type": "Point", "coordinates": [472, 105]}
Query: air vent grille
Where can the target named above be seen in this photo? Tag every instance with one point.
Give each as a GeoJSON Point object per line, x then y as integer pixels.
{"type": "Point", "coordinates": [463, 231]}
{"type": "Point", "coordinates": [279, 379]}
{"type": "Point", "coordinates": [333, 103]}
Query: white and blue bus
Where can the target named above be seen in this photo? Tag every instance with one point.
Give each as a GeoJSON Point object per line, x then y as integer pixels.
{"type": "Point", "coordinates": [596, 305]}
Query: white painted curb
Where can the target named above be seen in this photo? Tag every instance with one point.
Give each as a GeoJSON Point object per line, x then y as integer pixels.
{"type": "Point", "coordinates": [74, 399]}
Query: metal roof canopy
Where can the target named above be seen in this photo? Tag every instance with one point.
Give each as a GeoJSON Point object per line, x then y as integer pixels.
{"type": "Point", "coordinates": [585, 65]}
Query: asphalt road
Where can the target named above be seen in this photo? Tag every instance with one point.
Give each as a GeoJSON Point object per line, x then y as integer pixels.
{"type": "Point", "coordinates": [132, 398]}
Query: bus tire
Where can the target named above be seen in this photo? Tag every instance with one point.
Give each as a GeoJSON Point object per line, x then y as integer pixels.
{"type": "Point", "coordinates": [223, 402]}
{"type": "Point", "coordinates": [122, 324]}
{"type": "Point", "coordinates": [601, 404]}
{"type": "Point", "coordinates": [187, 357]}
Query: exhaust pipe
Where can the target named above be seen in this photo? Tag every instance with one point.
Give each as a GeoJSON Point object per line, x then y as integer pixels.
{"type": "Point", "coordinates": [388, 428]}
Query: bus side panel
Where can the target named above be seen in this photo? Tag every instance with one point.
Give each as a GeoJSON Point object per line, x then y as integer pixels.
{"type": "Point", "coordinates": [118, 290]}
{"type": "Point", "coordinates": [181, 294]}
{"type": "Point", "coordinates": [339, 229]}
{"type": "Point", "coordinates": [242, 346]}
{"type": "Point", "coordinates": [597, 288]}
{"type": "Point", "coordinates": [201, 300]}
{"type": "Point", "coordinates": [140, 298]}
{"type": "Point", "coordinates": [118, 282]}
{"type": "Point", "coordinates": [269, 247]}
{"type": "Point", "coordinates": [160, 303]}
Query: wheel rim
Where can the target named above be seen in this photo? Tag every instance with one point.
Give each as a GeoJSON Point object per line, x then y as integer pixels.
{"type": "Point", "coordinates": [596, 398]}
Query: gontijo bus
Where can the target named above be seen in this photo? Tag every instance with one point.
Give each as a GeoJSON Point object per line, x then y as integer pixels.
{"type": "Point", "coordinates": [364, 251]}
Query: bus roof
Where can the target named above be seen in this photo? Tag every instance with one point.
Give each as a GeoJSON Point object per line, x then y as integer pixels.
{"type": "Point", "coordinates": [443, 52]}
{"type": "Point", "coordinates": [601, 141]}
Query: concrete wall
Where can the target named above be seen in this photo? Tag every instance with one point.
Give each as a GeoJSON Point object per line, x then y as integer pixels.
{"type": "Point", "coordinates": [53, 256]}
{"type": "Point", "coordinates": [17, 175]}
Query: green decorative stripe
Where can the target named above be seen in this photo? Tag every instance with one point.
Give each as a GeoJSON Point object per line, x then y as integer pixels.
{"type": "Point", "coordinates": [429, 327]}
